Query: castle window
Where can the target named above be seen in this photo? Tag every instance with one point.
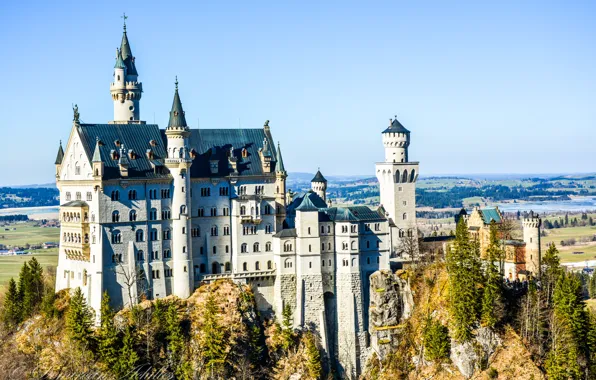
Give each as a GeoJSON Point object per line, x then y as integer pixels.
{"type": "Point", "coordinates": [344, 229]}
{"type": "Point", "coordinates": [152, 194]}
{"type": "Point", "coordinates": [224, 191]}
{"type": "Point", "coordinates": [226, 211]}
{"type": "Point", "coordinates": [328, 229]}
{"type": "Point", "coordinates": [78, 195]}
{"type": "Point", "coordinates": [245, 266]}
{"type": "Point", "coordinates": [140, 255]}
{"type": "Point", "coordinates": [202, 268]}
{"type": "Point", "coordinates": [167, 254]}
{"type": "Point", "coordinates": [368, 260]}
{"type": "Point", "coordinates": [322, 246]}
{"type": "Point", "coordinates": [89, 196]}
{"type": "Point", "coordinates": [132, 195]}
{"type": "Point", "coordinates": [77, 169]}
{"type": "Point", "coordinates": [153, 234]}
{"type": "Point", "coordinates": [322, 229]}
{"type": "Point", "coordinates": [242, 210]}
{"type": "Point", "coordinates": [269, 265]}
{"type": "Point", "coordinates": [329, 262]}
{"type": "Point", "coordinates": [354, 228]}
{"type": "Point", "coordinates": [115, 196]}
{"type": "Point", "coordinates": [255, 247]}
{"type": "Point", "coordinates": [287, 246]}
{"type": "Point", "coordinates": [184, 251]}
{"type": "Point", "coordinates": [242, 190]}
{"type": "Point", "coordinates": [205, 191]}
{"type": "Point", "coordinates": [309, 248]}
{"type": "Point", "coordinates": [155, 274]}
{"type": "Point", "coordinates": [244, 153]}
{"type": "Point", "coordinates": [402, 233]}
{"type": "Point", "coordinates": [132, 215]}
{"type": "Point", "coordinates": [288, 263]}
{"type": "Point", "coordinates": [226, 230]}
{"type": "Point", "coordinates": [322, 263]}
{"type": "Point", "coordinates": [183, 230]}
{"type": "Point", "coordinates": [201, 250]}
{"type": "Point", "coordinates": [228, 266]}
{"type": "Point", "coordinates": [377, 226]}
{"type": "Point", "coordinates": [368, 244]}
{"type": "Point", "coordinates": [214, 250]}
{"type": "Point", "coordinates": [405, 216]}
{"type": "Point", "coordinates": [352, 244]}
{"type": "Point", "coordinates": [309, 230]}
{"type": "Point", "coordinates": [268, 246]}
{"type": "Point", "coordinates": [195, 232]}
{"type": "Point", "coordinates": [405, 203]}
{"type": "Point", "coordinates": [153, 214]}
{"type": "Point", "coordinates": [201, 212]}
{"type": "Point", "coordinates": [166, 214]}
{"type": "Point", "coordinates": [183, 209]}
{"type": "Point", "coordinates": [140, 235]}
{"type": "Point", "coordinates": [410, 233]}
{"type": "Point", "coordinates": [530, 240]}
{"type": "Point", "coordinates": [115, 216]}
{"type": "Point", "coordinates": [213, 230]}
{"type": "Point", "coordinates": [244, 248]}
{"type": "Point", "coordinates": [268, 229]}
{"type": "Point", "coordinates": [257, 266]}
{"type": "Point", "coordinates": [213, 211]}
{"type": "Point", "coordinates": [116, 237]}
{"type": "Point", "coordinates": [227, 249]}
{"type": "Point", "coordinates": [344, 245]}
{"type": "Point", "coordinates": [310, 266]}
{"type": "Point", "coordinates": [378, 244]}
{"type": "Point", "coordinates": [68, 195]}
{"type": "Point", "coordinates": [400, 189]}
{"type": "Point", "coordinates": [267, 209]}
{"type": "Point", "coordinates": [166, 235]}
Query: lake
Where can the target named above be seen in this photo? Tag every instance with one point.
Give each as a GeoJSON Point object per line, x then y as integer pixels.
{"type": "Point", "coordinates": [49, 212]}
{"type": "Point", "coordinates": [575, 205]}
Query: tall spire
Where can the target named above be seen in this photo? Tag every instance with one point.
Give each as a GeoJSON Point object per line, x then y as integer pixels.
{"type": "Point", "coordinates": [177, 118]}
{"type": "Point", "coordinates": [60, 155]}
{"type": "Point", "coordinates": [97, 151]}
{"type": "Point", "coordinates": [125, 51]}
{"type": "Point", "coordinates": [119, 62]}
{"type": "Point", "coordinates": [280, 162]}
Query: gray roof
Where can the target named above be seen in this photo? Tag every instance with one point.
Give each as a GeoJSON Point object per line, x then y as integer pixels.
{"type": "Point", "coordinates": [307, 205]}
{"type": "Point", "coordinates": [318, 177]}
{"type": "Point", "coordinates": [286, 233]}
{"type": "Point", "coordinates": [127, 56]}
{"type": "Point", "coordinates": [396, 127]}
{"type": "Point", "coordinates": [354, 214]}
{"type": "Point", "coordinates": [177, 118]}
{"type": "Point", "coordinates": [97, 151]}
{"type": "Point", "coordinates": [280, 162]}
{"type": "Point", "coordinates": [75, 204]}
{"type": "Point", "coordinates": [60, 155]}
{"type": "Point", "coordinates": [119, 62]}
{"type": "Point", "coordinates": [134, 136]}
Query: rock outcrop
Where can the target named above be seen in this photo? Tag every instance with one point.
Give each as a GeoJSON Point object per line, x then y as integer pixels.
{"type": "Point", "coordinates": [391, 301]}
{"type": "Point", "coordinates": [475, 354]}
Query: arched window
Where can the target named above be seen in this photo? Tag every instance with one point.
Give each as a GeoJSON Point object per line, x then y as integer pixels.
{"type": "Point", "coordinates": [257, 266]}
{"type": "Point", "coordinates": [132, 194]}
{"type": "Point", "coordinates": [244, 248]}
{"type": "Point", "coordinates": [242, 210]}
{"type": "Point", "coordinates": [202, 268]}
{"type": "Point", "coordinates": [397, 177]}
{"type": "Point", "coordinates": [115, 216]}
{"type": "Point", "coordinates": [166, 234]}
{"type": "Point", "coordinates": [352, 245]}
{"type": "Point", "coordinates": [214, 250]}
{"type": "Point", "coordinates": [116, 237]}
{"type": "Point", "coordinates": [228, 266]}
{"type": "Point", "coordinates": [183, 209]}
{"type": "Point", "coordinates": [412, 175]}
{"type": "Point", "coordinates": [288, 263]}
{"type": "Point", "coordinates": [140, 235]}
{"type": "Point", "coordinates": [268, 229]}
{"type": "Point", "coordinates": [255, 247]}
{"type": "Point", "coordinates": [404, 177]}
{"type": "Point", "coordinates": [132, 215]}
{"type": "Point", "coordinates": [287, 246]}
{"type": "Point", "coordinates": [268, 246]}
{"type": "Point", "coordinates": [115, 195]}
{"type": "Point", "coordinates": [214, 230]}
{"type": "Point", "coordinates": [328, 229]}
{"type": "Point", "coordinates": [269, 265]}
{"type": "Point", "coordinates": [140, 255]}
{"type": "Point", "coordinates": [405, 216]}
{"type": "Point", "coordinates": [309, 230]}
{"type": "Point", "coordinates": [215, 268]}
{"type": "Point", "coordinates": [402, 233]}
{"type": "Point", "coordinates": [245, 266]}
{"type": "Point", "coordinates": [367, 244]}
{"type": "Point", "coordinates": [153, 234]}
{"type": "Point", "coordinates": [153, 214]}
{"type": "Point", "coordinates": [410, 233]}
{"type": "Point", "coordinates": [344, 245]}
{"type": "Point", "coordinates": [322, 229]}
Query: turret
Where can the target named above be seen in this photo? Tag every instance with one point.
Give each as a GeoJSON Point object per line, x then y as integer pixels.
{"type": "Point", "coordinates": [178, 162]}
{"type": "Point", "coordinates": [280, 189]}
{"type": "Point", "coordinates": [59, 158]}
{"type": "Point", "coordinates": [97, 162]}
{"type": "Point", "coordinates": [126, 90]}
{"type": "Point", "coordinates": [396, 139]}
{"type": "Point", "coordinates": [531, 227]}
{"type": "Point", "coordinates": [319, 185]}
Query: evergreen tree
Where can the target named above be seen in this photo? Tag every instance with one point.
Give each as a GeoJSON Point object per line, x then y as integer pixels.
{"type": "Point", "coordinates": [566, 220]}
{"type": "Point", "coordinates": [463, 267]}
{"type": "Point", "coordinates": [79, 319]}
{"type": "Point", "coordinates": [176, 341]}
{"type": "Point", "coordinates": [556, 224]}
{"type": "Point", "coordinates": [36, 285]}
{"type": "Point", "coordinates": [436, 340]}
{"type": "Point", "coordinates": [11, 312]}
{"type": "Point", "coordinates": [313, 356]}
{"type": "Point", "coordinates": [552, 270]}
{"type": "Point", "coordinates": [213, 340]}
{"type": "Point", "coordinates": [590, 221]}
{"type": "Point", "coordinates": [569, 306]}
{"type": "Point", "coordinates": [492, 296]}
{"type": "Point", "coordinates": [287, 328]}
{"type": "Point", "coordinates": [25, 291]}
{"type": "Point", "coordinates": [48, 306]}
{"type": "Point", "coordinates": [128, 358]}
{"type": "Point", "coordinates": [107, 336]}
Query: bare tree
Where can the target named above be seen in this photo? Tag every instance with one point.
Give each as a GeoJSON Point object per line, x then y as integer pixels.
{"type": "Point", "coordinates": [409, 247]}
{"type": "Point", "coordinates": [135, 281]}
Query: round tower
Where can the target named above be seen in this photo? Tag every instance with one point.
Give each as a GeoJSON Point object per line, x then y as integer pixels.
{"type": "Point", "coordinates": [126, 90]}
{"type": "Point", "coordinates": [531, 227]}
{"type": "Point", "coordinates": [319, 185]}
{"type": "Point", "coordinates": [396, 140]}
{"type": "Point", "coordinates": [178, 162]}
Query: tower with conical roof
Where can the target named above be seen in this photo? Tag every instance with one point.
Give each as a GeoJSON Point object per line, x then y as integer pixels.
{"type": "Point", "coordinates": [531, 227]}
{"type": "Point", "coordinates": [126, 90]}
{"type": "Point", "coordinates": [178, 161]}
{"type": "Point", "coordinates": [319, 185]}
{"type": "Point", "coordinates": [397, 177]}
{"type": "Point", "coordinates": [280, 189]}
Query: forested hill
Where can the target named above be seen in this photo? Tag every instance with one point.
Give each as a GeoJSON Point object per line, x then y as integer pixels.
{"type": "Point", "coordinates": [28, 197]}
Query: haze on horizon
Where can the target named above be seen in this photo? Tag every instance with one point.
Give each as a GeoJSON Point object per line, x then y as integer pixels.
{"type": "Point", "coordinates": [484, 88]}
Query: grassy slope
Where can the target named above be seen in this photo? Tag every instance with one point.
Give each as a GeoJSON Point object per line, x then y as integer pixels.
{"type": "Point", "coordinates": [566, 253]}
{"type": "Point", "coordinates": [27, 233]}
{"type": "Point", "coordinates": [11, 265]}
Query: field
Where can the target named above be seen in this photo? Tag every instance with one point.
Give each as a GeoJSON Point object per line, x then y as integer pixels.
{"type": "Point", "coordinates": [566, 253]}
{"type": "Point", "coordinates": [11, 265]}
{"type": "Point", "coordinates": [27, 233]}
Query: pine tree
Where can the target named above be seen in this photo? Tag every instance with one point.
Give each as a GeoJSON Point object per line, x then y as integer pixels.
{"type": "Point", "coordinates": [36, 285]}
{"type": "Point", "coordinates": [463, 267]}
{"type": "Point", "coordinates": [313, 356]}
{"type": "Point", "coordinates": [107, 335]}
{"type": "Point", "coordinates": [213, 340]}
{"type": "Point", "coordinates": [128, 358]}
{"type": "Point", "coordinates": [570, 307]}
{"type": "Point", "coordinates": [552, 270]}
{"type": "Point", "coordinates": [492, 296]}
{"type": "Point", "coordinates": [176, 342]}
{"type": "Point", "coordinates": [79, 319]}
{"type": "Point", "coordinates": [436, 340]}
{"type": "Point", "coordinates": [287, 328]}
{"type": "Point", "coordinates": [25, 291]}
{"type": "Point", "coordinates": [48, 306]}
{"type": "Point", "coordinates": [11, 312]}
{"type": "Point", "coordinates": [566, 220]}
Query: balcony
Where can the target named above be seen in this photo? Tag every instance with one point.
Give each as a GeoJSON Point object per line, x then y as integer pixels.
{"type": "Point", "coordinates": [250, 219]}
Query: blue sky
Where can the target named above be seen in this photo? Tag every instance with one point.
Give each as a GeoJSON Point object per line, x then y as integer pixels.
{"type": "Point", "coordinates": [484, 88]}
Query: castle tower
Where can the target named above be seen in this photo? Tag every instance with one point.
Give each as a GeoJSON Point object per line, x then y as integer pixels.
{"type": "Point", "coordinates": [531, 227]}
{"type": "Point", "coordinates": [126, 90]}
{"type": "Point", "coordinates": [397, 180]}
{"type": "Point", "coordinates": [59, 158]}
{"type": "Point", "coordinates": [319, 185]}
{"type": "Point", "coordinates": [280, 190]}
{"type": "Point", "coordinates": [179, 162]}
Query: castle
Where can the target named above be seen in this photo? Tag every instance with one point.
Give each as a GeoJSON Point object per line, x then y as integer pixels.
{"type": "Point", "coordinates": [148, 212]}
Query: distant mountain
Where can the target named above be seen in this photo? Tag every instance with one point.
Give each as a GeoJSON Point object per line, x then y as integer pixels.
{"type": "Point", "coordinates": [36, 186]}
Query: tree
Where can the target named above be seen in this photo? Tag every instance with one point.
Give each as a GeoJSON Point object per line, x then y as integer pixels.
{"type": "Point", "coordinates": [566, 220]}
{"type": "Point", "coordinates": [492, 295]}
{"type": "Point", "coordinates": [25, 291]}
{"type": "Point", "coordinates": [11, 312]}
{"type": "Point", "coordinates": [176, 341]}
{"type": "Point", "coordinates": [463, 267]}
{"type": "Point", "coordinates": [79, 319]}
{"type": "Point", "coordinates": [134, 280]}
{"type": "Point", "coordinates": [552, 270]}
{"type": "Point", "coordinates": [213, 342]}
{"type": "Point", "coordinates": [36, 287]}
{"type": "Point", "coordinates": [107, 336]}
{"type": "Point", "coordinates": [436, 340]}
{"type": "Point", "coordinates": [287, 327]}
{"type": "Point", "coordinates": [128, 357]}
{"type": "Point", "coordinates": [313, 356]}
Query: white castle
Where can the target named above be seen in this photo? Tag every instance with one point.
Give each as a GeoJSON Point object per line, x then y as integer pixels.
{"type": "Point", "coordinates": [148, 212]}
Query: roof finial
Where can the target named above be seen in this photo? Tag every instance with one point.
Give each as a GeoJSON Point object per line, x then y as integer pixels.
{"type": "Point", "coordinates": [124, 16]}
{"type": "Point", "coordinates": [176, 82]}
{"type": "Point", "coordinates": [75, 110]}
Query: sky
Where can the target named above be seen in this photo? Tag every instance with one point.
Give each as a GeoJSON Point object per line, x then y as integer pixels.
{"type": "Point", "coordinates": [484, 87]}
